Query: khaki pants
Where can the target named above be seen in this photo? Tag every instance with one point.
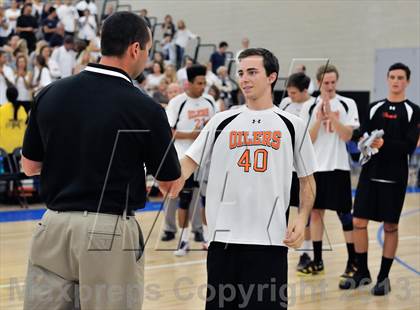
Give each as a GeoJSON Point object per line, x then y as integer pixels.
{"type": "Point", "coordinates": [81, 260]}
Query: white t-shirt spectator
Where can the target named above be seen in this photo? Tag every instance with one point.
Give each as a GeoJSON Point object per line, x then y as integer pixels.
{"type": "Point", "coordinates": [4, 32]}
{"type": "Point", "coordinates": [66, 60]}
{"type": "Point", "coordinates": [40, 82]}
{"type": "Point", "coordinates": [54, 68]}
{"type": "Point", "coordinates": [87, 27]}
{"type": "Point", "coordinates": [183, 36]}
{"type": "Point", "coordinates": [24, 93]}
{"type": "Point", "coordinates": [153, 81]}
{"type": "Point", "coordinates": [93, 9]}
{"type": "Point", "coordinates": [68, 16]}
{"type": "Point", "coordinates": [81, 5]}
{"type": "Point", "coordinates": [12, 16]}
{"type": "Point", "coordinates": [181, 75]}
{"type": "Point", "coordinates": [10, 76]}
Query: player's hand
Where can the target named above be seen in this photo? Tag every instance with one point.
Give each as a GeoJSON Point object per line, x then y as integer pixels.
{"type": "Point", "coordinates": [295, 233]}
{"type": "Point", "coordinates": [377, 143]}
{"type": "Point", "coordinates": [171, 188]}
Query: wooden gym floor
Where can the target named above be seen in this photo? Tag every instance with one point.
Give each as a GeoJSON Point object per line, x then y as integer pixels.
{"type": "Point", "coordinates": [179, 283]}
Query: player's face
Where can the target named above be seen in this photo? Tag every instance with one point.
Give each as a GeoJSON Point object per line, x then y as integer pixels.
{"type": "Point", "coordinates": [397, 81]}
{"type": "Point", "coordinates": [253, 79]}
{"type": "Point", "coordinates": [197, 87]}
{"type": "Point", "coordinates": [329, 84]}
{"type": "Point", "coordinates": [295, 94]}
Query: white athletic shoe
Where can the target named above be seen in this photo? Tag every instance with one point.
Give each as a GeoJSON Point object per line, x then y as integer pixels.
{"type": "Point", "coordinates": [183, 249]}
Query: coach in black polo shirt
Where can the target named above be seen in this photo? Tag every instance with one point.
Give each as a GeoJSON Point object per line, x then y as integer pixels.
{"type": "Point", "coordinates": [91, 136]}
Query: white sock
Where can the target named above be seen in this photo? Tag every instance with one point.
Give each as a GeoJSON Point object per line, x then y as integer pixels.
{"type": "Point", "coordinates": [185, 236]}
{"type": "Point", "coordinates": [307, 247]}
{"type": "Point", "coordinates": [206, 233]}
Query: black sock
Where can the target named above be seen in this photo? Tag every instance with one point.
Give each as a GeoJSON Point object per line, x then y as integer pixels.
{"type": "Point", "coordinates": [385, 267]}
{"type": "Point", "coordinates": [351, 252]}
{"type": "Point", "coordinates": [362, 262]}
{"type": "Point", "coordinates": [317, 251]}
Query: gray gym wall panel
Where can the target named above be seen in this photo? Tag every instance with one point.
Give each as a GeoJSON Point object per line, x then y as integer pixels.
{"type": "Point", "coordinates": [347, 32]}
{"type": "Point", "coordinates": [384, 59]}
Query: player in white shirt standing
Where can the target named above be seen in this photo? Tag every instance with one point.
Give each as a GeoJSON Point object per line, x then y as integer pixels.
{"type": "Point", "coordinates": [253, 151]}
{"type": "Point", "coordinates": [187, 115]}
{"type": "Point", "coordinates": [331, 121]}
{"type": "Point", "coordinates": [297, 89]}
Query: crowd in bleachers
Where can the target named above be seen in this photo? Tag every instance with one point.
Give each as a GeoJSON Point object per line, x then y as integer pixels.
{"type": "Point", "coordinates": [43, 41]}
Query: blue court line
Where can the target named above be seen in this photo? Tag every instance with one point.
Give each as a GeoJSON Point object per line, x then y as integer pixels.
{"type": "Point", "coordinates": [36, 214]}
{"type": "Point", "coordinates": [381, 242]}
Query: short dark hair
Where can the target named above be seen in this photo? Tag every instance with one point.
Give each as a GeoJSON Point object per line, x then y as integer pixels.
{"type": "Point", "coordinates": [271, 63]}
{"type": "Point", "coordinates": [194, 71]}
{"type": "Point", "coordinates": [400, 66]}
{"type": "Point", "coordinates": [120, 30]}
{"type": "Point", "coordinates": [51, 10]}
{"type": "Point", "coordinates": [299, 80]}
{"type": "Point", "coordinates": [68, 39]}
{"type": "Point", "coordinates": [223, 44]}
{"type": "Point", "coordinates": [324, 69]}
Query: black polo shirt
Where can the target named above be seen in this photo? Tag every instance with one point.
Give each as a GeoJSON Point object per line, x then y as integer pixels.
{"type": "Point", "coordinates": [95, 133]}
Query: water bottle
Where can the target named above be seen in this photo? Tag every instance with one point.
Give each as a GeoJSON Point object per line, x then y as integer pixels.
{"type": "Point", "coordinates": [1, 164]}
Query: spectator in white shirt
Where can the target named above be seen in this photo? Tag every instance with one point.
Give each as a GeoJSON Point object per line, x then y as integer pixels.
{"type": "Point", "coordinates": [181, 74]}
{"type": "Point", "coordinates": [93, 8]}
{"type": "Point", "coordinates": [81, 6]}
{"type": "Point", "coordinates": [153, 79]}
{"type": "Point", "coordinates": [12, 14]}
{"type": "Point", "coordinates": [182, 36]}
{"type": "Point", "coordinates": [5, 29]}
{"type": "Point", "coordinates": [6, 77]}
{"type": "Point", "coordinates": [87, 27]}
{"type": "Point", "coordinates": [68, 15]}
{"type": "Point", "coordinates": [23, 82]}
{"type": "Point", "coordinates": [42, 76]}
{"type": "Point", "coordinates": [53, 66]}
{"type": "Point", "coordinates": [65, 57]}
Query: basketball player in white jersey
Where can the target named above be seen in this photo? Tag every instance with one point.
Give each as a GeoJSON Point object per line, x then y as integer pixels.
{"type": "Point", "coordinates": [187, 115]}
{"type": "Point", "coordinates": [297, 90]}
{"type": "Point", "coordinates": [253, 151]}
{"type": "Point", "coordinates": [331, 121]}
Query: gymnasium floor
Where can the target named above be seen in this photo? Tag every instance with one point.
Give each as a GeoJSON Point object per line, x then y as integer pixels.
{"type": "Point", "coordinates": [179, 283]}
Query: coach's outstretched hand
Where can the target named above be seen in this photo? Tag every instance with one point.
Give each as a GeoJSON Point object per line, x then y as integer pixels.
{"type": "Point", "coordinates": [295, 233]}
{"type": "Point", "coordinates": [171, 188]}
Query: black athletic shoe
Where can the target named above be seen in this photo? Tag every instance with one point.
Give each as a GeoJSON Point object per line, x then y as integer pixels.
{"type": "Point", "coordinates": [381, 288]}
{"type": "Point", "coordinates": [318, 268]}
{"type": "Point", "coordinates": [350, 270]}
{"type": "Point", "coordinates": [358, 279]}
{"type": "Point", "coordinates": [167, 236]}
{"type": "Point", "coordinates": [304, 267]}
{"type": "Point", "coordinates": [198, 237]}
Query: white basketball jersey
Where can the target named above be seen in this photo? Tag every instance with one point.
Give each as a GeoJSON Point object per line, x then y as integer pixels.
{"type": "Point", "coordinates": [330, 150]}
{"type": "Point", "coordinates": [252, 155]}
{"type": "Point", "coordinates": [186, 113]}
